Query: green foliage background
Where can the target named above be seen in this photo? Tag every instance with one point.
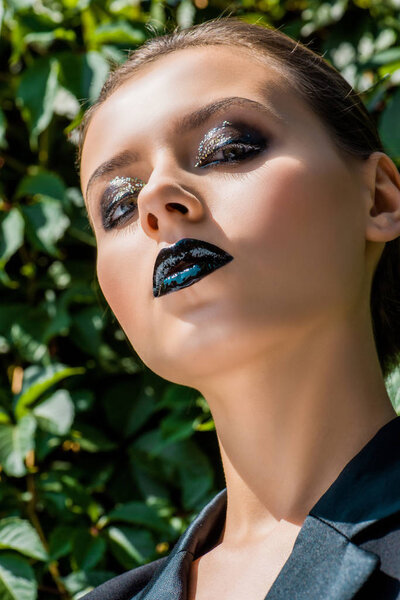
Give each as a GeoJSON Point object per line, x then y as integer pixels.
{"type": "Point", "coordinates": [104, 464]}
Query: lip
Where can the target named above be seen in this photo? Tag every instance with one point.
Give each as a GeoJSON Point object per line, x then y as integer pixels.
{"type": "Point", "coordinates": [184, 263]}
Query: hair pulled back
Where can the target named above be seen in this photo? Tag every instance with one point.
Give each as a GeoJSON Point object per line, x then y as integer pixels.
{"type": "Point", "coordinates": [331, 97]}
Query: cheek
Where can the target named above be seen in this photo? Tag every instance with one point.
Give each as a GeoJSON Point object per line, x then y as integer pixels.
{"type": "Point", "coordinates": [127, 287]}
{"type": "Point", "coordinates": [300, 228]}
{"type": "Point", "coordinates": [122, 282]}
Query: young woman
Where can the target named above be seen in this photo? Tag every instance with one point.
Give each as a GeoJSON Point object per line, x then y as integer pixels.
{"type": "Point", "coordinates": [247, 222]}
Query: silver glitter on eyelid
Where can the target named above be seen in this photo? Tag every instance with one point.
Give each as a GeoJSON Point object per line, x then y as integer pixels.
{"type": "Point", "coordinates": [125, 184]}
{"type": "Point", "coordinates": [117, 190]}
{"type": "Point", "coordinates": [207, 145]}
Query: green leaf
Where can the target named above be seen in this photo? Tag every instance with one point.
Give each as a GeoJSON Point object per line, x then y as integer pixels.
{"type": "Point", "coordinates": [44, 183]}
{"type": "Point", "coordinates": [92, 439]}
{"type": "Point", "coordinates": [45, 443]}
{"type": "Point", "coordinates": [131, 546]}
{"type": "Point", "coordinates": [175, 427]}
{"type": "Point", "coordinates": [3, 122]}
{"type": "Point", "coordinates": [158, 16]}
{"type": "Point", "coordinates": [82, 399]}
{"type": "Point", "coordinates": [392, 383]}
{"type": "Point", "coordinates": [88, 550]}
{"type": "Point", "coordinates": [19, 535]}
{"type": "Point", "coordinates": [95, 72]}
{"type": "Point", "coordinates": [127, 418]}
{"type": "Point", "coordinates": [46, 224]}
{"type": "Point", "coordinates": [56, 414]}
{"type": "Point", "coordinates": [4, 416]}
{"type": "Point", "coordinates": [118, 32]}
{"type": "Point", "coordinates": [195, 471]}
{"type": "Point", "coordinates": [25, 336]}
{"type": "Point", "coordinates": [45, 38]}
{"type": "Point", "coordinates": [36, 95]}
{"type": "Point", "coordinates": [15, 443]}
{"type": "Point", "coordinates": [87, 327]}
{"type": "Point", "coordinates": [11, 235]}
{"type": "Point", "coordinates": [148, 477]}
{"type": "Point", "coordinates": [138, 513]}
{"type": "Point", "coordinates": [6, 281]}
{"type": "Point", "coordinates": [185, 13]}
{"type": "Point", "coordinates": [60, 542]}
{"type": "Point", "coordinates": [384, 57]}
{"type": "Point", "coordinates": [208, 425]}
{"type": "Point", "coordinates": [38, 380]}
{"type": "Point", "coordinates": [83, 74]}
{"type": "Point", "coordinates": [1, 13]}
{"type": "Point", "coordinates": [178, 396]}
{"type": "Point", "coordinates": [385, 72]}
{"type": "Point", "coordinates": [17, 579]}
{"type": "Point", "coordinates": [181, 461]}
{"type": "Point", "coordinates": [389, 127]}
{"type": "Point", "coordinates": [59, 274]}
{"type": "Point", "coordinates": [83, 582]}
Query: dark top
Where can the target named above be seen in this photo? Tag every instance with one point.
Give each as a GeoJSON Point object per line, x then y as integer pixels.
{"type": "Point", "coordinates": [348, 546]}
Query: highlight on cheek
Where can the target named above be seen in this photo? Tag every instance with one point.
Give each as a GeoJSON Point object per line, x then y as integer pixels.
{"type": "Point", "coordinates": [119, 201]}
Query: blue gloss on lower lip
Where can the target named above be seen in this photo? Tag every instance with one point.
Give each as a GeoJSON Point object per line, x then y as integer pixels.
{"type": "Point", "coordinates": [182, 276]}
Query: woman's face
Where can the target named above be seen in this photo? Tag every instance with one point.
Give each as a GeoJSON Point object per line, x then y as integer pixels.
{"type": "Point", "coordinates": [278, 198]}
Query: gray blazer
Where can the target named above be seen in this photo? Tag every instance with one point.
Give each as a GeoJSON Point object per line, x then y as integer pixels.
{"type": "Point", "coordinates": [348, 546]}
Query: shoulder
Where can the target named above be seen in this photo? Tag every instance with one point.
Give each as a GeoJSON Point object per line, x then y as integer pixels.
{"type": "Point", "coordinates": [125, 586]}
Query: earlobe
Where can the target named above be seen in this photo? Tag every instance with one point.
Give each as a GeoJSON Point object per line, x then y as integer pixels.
{"type": "Point", "coordinates": [383, 218]}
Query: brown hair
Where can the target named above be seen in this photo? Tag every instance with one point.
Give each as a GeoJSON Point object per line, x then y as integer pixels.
{"type": "Point", "coordinates": [340, 109]}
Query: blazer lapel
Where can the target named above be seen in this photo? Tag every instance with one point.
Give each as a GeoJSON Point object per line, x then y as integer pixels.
{"type": "Point", "coordinates": [170, 582]}
{"type": "Point", "coordinates": [323, 564]}
{"type": "Point", "coordinates": [326, 561]}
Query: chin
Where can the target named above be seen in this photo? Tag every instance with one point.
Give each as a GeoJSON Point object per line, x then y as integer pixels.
{"type": "Point", "coordinates": [191, 359]}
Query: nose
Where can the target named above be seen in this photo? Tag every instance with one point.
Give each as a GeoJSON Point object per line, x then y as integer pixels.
{"type": "Point", "coordinates": [166, 203]}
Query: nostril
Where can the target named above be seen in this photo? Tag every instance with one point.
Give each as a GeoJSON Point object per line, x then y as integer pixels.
{"type": "Point", "coordinates": [152, 221]}
{"type": "Point", "coordinates": [174, 205]}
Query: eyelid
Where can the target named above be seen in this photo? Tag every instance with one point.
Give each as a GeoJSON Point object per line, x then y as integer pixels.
{"type": "Point", "coordinates": [203, 150]}
{"type": "Point", "coordinates": [123, 186]}
{"type": "Point", "coordinates": [209, 144]}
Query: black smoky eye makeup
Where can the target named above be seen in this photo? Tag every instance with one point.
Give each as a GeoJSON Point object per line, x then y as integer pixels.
{"type": "Point", "coordinates": [236, 141]}
{"type": "Point", "coordinates": [119, 200]}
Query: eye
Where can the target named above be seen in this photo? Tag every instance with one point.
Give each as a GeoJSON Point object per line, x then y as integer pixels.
{"type": "Point", "coordinates": [120, 211]}
{"type": "Point", "coordinates": [229, 143]}
{"type": "Point", "coordinates": [119, 201]}
{"type": "Point", "coordinates": [231, 153]}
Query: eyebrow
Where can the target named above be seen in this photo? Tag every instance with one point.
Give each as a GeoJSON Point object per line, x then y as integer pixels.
{"type": "Point", "coordinates": [182, 125]}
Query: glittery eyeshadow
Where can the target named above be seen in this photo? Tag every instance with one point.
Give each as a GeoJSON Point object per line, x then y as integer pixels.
{"type": "Point", "coordinates": [208, 143]}
{"type": "Point", "coordinates": [124, 184]}
{"type": "Point", "coordinates": [118, 188]}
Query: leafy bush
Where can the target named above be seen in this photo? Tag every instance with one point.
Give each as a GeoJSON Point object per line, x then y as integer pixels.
{"type": "Point", "coordinates": [104, 464]}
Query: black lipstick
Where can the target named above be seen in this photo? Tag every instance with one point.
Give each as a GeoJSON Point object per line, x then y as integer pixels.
{"type": "Point", "coordinates": [184, 263]}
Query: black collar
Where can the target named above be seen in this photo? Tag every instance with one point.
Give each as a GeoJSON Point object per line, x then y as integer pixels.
{"type": "Point", "coordinates": [325, 561]}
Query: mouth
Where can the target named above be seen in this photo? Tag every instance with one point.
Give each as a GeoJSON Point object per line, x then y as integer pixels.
{"type": "Point", "coordinates": [184, 263]}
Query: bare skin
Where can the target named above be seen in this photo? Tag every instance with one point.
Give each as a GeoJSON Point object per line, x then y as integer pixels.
{"type": "Point", "coordinates": [279, 341]}
{"type": "Point", "coordinates": [261, 558]}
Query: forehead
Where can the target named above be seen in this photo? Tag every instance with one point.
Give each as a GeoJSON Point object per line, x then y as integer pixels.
{"type": "Point", "coordinates": [143, 107]}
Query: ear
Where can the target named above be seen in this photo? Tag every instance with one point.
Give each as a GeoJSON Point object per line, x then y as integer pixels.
{"type": "Point", "coordinates": [383, 180]}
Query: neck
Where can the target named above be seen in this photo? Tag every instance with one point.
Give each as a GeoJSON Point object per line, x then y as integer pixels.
{"type": "Point", "coordinates": [290, 421]}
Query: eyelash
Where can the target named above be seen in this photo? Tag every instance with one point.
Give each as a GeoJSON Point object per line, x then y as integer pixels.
{"type": "Point", "coordinates": [108, 222]}
{"type": "Point", "coordinates": [249, 151]}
